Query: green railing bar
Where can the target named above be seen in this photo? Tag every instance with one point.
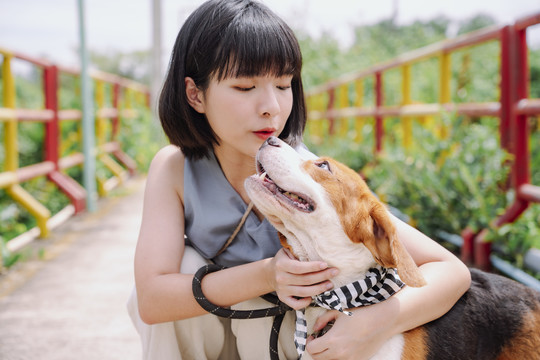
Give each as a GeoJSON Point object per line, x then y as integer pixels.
{"type": "Point", "coordinates": [89, 146]}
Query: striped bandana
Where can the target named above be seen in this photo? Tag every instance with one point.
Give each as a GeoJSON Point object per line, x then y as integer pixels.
{"type": "Point", "coordinates": [380, 283]}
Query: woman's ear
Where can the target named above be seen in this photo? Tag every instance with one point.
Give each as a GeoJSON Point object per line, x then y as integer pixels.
{"type": "Point", "coordinates": [194, 95]}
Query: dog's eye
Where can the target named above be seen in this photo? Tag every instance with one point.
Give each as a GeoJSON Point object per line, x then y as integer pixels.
{"type": "Point", "coordinates": [324, 165]}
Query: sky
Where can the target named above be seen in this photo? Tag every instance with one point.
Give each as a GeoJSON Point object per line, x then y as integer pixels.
{"type": "Point", "coordinates": [49, 28]}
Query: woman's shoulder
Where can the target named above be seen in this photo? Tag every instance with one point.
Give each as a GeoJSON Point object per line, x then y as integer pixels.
{"type": "Point", "coordinates": [167, 168]}
{"type": "Point", "coordinates": [168, 153]}
{"type": "Point", "coordinates": [169, 156]}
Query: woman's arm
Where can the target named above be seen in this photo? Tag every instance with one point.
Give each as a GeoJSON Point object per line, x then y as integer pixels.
{"type": "Point", "coordinates": [364, 333]}
{"type": "Point", "coordinates": [447, 280]}
{"type": "Point", "coordinates": [163, 293]}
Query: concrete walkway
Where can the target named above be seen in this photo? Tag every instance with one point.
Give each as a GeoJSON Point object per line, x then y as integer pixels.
{"type": "Point", "coordinates": [70, 304]}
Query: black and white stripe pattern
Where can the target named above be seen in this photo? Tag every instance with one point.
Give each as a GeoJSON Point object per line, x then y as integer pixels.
{"type": "Point", "coordinates": [380, 283]}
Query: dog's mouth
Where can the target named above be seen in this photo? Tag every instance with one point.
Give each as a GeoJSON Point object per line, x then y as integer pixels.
{"type": "Point", "coordinates": [299, 201]}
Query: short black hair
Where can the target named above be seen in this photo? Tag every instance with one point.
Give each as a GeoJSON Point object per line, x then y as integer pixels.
{"type": "Point", "coordinates": [223, 39]}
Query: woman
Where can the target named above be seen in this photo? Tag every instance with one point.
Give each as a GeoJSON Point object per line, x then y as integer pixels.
{"type": "Point", "coordinates": [234, 80]}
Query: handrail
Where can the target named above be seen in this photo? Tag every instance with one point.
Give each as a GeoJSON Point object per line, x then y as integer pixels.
{"type": "Point", "coordinates": [331, 102]}
{"type": "Point", "coordinates": [125, 94]}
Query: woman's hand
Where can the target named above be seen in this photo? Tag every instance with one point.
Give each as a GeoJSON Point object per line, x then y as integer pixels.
{"type": "Point", "coordinates": [356, 337]}
{"type": "Point", "coordinates": [295, 282]}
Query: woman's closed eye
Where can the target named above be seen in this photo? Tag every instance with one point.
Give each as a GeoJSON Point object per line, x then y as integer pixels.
{"type": "Point", "coordinates": [247, 88]}
{"type": "Point", "coordinates": [244, 88]}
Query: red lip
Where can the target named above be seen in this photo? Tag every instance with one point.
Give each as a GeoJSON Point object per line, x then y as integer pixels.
{"type": "Point", "coordinates": [265, 133]}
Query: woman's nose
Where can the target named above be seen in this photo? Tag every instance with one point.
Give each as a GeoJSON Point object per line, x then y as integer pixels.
{"type": "Point", "coordinates": [269, 105]}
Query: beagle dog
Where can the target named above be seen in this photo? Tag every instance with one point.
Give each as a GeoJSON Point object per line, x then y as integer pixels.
{"type": "Point", "coordinates": [324, 211]}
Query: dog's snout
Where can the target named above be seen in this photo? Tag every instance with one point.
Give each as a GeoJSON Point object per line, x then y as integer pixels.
{"type": "Point", "coordinates": [273, 141]}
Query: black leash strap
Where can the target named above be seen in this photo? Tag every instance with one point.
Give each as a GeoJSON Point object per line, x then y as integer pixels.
{"type": "Point", "coordinates": [277, 311]}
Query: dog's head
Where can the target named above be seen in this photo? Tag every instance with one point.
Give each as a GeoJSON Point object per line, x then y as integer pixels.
{"type": "Point", "coordinates": [325, 211]}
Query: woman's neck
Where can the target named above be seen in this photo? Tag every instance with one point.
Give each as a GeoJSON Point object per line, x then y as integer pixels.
{"type": "Point", "coordinates": [236, 169]}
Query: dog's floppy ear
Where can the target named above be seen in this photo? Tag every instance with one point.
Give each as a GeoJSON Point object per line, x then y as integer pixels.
{"type": "Point", "coordinates": [388, 250]}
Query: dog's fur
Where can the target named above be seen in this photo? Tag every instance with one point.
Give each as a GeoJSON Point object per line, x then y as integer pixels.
{"type": "Point", "coordinates": [324, 211]}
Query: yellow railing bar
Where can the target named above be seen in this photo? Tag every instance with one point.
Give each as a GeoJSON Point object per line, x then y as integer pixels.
{"type": "Point", "coordinates": [343, 102]}
{"type": "Point", "coordinates": [8, 178]}
{"type": "Point", "coordinates": [359, 102]}
{"type": "Point", "coordinates": [101, 133]}
{"type": "Point", "coordinates": [112, 165]}
{"type": "Point", "coordinates": [119, 174]}
{"type": "Point", "coordinates": [100, 121]}
{"type": "Point", "coordinates": [34, 207]}
{"type": "Point", "coordinates": [316, 130]}
{"type": "Point", "coordinates": [445, 77]}
{"type": "Point", "coordinates": [11, 164]}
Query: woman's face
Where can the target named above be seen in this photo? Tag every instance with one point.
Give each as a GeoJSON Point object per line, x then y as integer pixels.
{"type": "Point", "coordinates": [245, 111]}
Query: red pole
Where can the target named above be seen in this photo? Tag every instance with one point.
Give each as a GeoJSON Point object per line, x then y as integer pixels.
{"type": "Point", "coordinates": [379, 128]}
{"type": "Point", "coordinates": [52, 127]}
{"type": "Point", "coordinates": [70, 187]}
{"type": "Point", "coordinates": [505, 88]}
{"type": "Point", "coordinates": [521, 143]}
{"type": "Point", "coordinates": [518, 80]}
{"type": "Point", "coordinates": [467, 249]}
{"type": "Point", "coordinates": [516, 74]}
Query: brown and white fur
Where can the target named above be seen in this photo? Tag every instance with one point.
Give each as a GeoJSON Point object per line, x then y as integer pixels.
{"type": "Point", "coordinates": [323, 210]}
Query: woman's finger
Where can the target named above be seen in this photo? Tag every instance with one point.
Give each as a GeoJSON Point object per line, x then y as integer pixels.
{"type": "Point", "coordinates": [324, 319]}
{"type": "Point", "coordinates": [296, 303]}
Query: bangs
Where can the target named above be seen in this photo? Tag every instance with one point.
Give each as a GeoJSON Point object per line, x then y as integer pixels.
{"type": "Point", "coordinates": [254, 44]}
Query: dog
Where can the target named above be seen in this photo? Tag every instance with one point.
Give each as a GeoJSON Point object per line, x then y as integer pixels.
{"type": "Point", "coordinates": [324, 211]}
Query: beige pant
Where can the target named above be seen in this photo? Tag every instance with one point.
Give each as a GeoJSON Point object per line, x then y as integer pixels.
{"type": "Point", "coordinates": [209, 337]}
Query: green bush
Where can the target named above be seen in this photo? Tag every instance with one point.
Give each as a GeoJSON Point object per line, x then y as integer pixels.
{"type": "Point", "coordinates": [141, 138]}
{"type": "Point", "coordinates": [445, 184]}
{"type": "Point", "coordinates": [513, 240]}
{"type": "Point", "coordinates": [355, 155]}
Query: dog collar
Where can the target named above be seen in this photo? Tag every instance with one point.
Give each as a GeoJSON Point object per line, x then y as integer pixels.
{"type": "Point", "coordinates": [378, 285]}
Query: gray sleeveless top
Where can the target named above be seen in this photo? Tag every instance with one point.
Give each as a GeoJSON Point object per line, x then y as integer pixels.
{"type": "Point", "coordinates": [213, 210]}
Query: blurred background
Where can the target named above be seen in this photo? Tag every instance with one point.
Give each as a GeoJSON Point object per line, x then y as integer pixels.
{"type": "Point", "coordinates": [120, 32]}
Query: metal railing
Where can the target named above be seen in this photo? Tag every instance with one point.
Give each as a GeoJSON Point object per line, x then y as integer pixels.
{"type": "Point", "coordinates": [114, 99]}
{"type": "Point", "coordinates": [332, 105]}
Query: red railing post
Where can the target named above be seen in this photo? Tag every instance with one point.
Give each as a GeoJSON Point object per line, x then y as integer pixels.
{"type": "Point", "coordinates": [379, 126]}
{"type": "Point", "coordinates": [521, 169]}
{"type": "Point", "coordinates": [516, 72]}
{"type": "Point", "coordinates": [52, 127]}
{"type": "Point", "coordinates": [514, 87]}
{"type": "Point", "coordinates": [467, 249]}
{"type": "Point", "coordinates": [506, 88]}
{"type": "Point", "coordinates": [74, 191]}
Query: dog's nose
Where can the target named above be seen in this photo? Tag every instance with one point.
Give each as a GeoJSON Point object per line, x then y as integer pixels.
{"type": "Point", "coordinates": [273, 141]}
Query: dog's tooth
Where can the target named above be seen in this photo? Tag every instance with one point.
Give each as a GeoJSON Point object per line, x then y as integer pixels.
{"type": "Point", "coordinates": [263, 175]}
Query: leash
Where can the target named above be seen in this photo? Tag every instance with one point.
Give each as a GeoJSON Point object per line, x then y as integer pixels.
{"type": "Point", "coordinates": [237, 230]}
{"type": "Point", "coordinates": [277, 311]}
